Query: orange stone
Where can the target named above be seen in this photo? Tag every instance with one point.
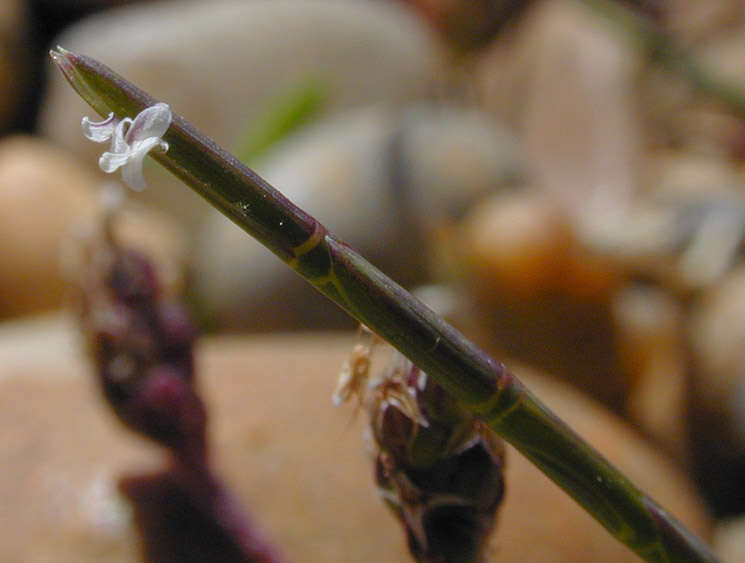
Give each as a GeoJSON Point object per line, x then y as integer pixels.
{"type": "Point", "coordinates": [296, 463]}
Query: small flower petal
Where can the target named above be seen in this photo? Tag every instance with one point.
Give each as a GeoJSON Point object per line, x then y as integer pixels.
{"type": "Point", "coordinates": [131, 140]}
{"type": "Point", "coordinates": [150, 122]}
{"type": "Point", "coordinates": [99, 131]}
{"type": "Point", "coordinates": [132, 169]}
{"type": "Point", "coordinates": [111, 161]}
{"type": "Point", "coordinates": [118, 143]}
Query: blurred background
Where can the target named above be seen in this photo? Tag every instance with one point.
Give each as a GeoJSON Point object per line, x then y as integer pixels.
{"type": "Point", "coordinates": [563, 178]}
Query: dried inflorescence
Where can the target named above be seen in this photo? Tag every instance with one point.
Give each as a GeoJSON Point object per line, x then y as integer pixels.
{"type": "Point", "coordinates": [141, 343]}
{"type": "Point", "coordinates": [437, 467]}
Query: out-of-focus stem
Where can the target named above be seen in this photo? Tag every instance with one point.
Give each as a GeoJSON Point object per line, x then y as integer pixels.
{"type": "Point", "coordinates": [663, 49]}
{"type": "Point", "coordinates": [475, 380]}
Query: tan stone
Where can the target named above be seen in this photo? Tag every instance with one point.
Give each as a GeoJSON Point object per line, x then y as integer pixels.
{"type": "Point", "coordinates": [523, 244]}
{"type": "Point", "coordinates": [42, 194]}
{"type": "Point", "coordinates": [729, 540]}
{"type": "Point", "coordinates": [680, 174]}
{"type": "Point", "coordinates": [381, 180]}
{"type": "Point", "coordinates": [515, 243]}
{"type": "Point", "coordinates": [539, 294]}
{"type": "Point", "coordinates": [46, 199]}
{"type": "Point", "coordinates": [296, 463]}
{"type": "Point", "coordinates": [650, 332]}
{"type": "Point", "coordinates": [717, 335]}
{"type": "Point", "coordinates": [723, 52]}
{"type": "Point", "coordinates": [567, 82]}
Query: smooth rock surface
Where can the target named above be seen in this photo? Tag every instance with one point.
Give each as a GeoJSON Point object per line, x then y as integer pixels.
{"type": "Point", "coordinates": [649, 325]}
{"type": "Point", "coordinates": [679, 174]}
{"type": "Point", "coordinates": [717, 333]}
{"type": "Point", "coordinates": [46, 200]}
{"type": "Point", "coordinates": [220, 62]}
{"type": "Point", "coordinates": [540, 297]}
{"type": "Point", "coordinates": [729, 540]}
{"type": "Point", "coordinates": [297, 464]}
{"type": "Point", "coordinates": [566, 81]}
{"type": "Point", "coordinates": [717, 410]}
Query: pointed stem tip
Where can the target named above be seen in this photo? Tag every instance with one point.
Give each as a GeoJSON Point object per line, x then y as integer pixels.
{"type": "Point", "coordinates": [59, 54]}
{"type": "Point", "coordinates": [63, 59]}
{"type": "Point", "coordinates": [83, 74]}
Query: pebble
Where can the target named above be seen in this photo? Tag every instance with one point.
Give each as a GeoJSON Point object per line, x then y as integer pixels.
{"type": "Point", "coordinates": [382, 180]}
{"type": "Point", "coordinates": [717, 412]}
{"type": "Point", "coordinates": [298, 467]}
{"type": "Point", "coordinates": [565, 80]}
{"type": "Point", "coordinates": [729, 539]}
{"type": "Point", "coordinates": [46, 199]}
{"type": "Point", "coordinates": [650, 326]}
{"type": "Point", "coordinates": [219, 63]}
{"type": "Point", "coordinates": [540, 297]}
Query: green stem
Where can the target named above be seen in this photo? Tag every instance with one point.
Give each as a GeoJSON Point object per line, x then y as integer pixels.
{"type": "Point", "coordinates": [474, 379]}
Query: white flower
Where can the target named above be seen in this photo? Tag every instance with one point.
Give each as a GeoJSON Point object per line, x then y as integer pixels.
{"type": "Point", "coordinates": [131, 140]}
